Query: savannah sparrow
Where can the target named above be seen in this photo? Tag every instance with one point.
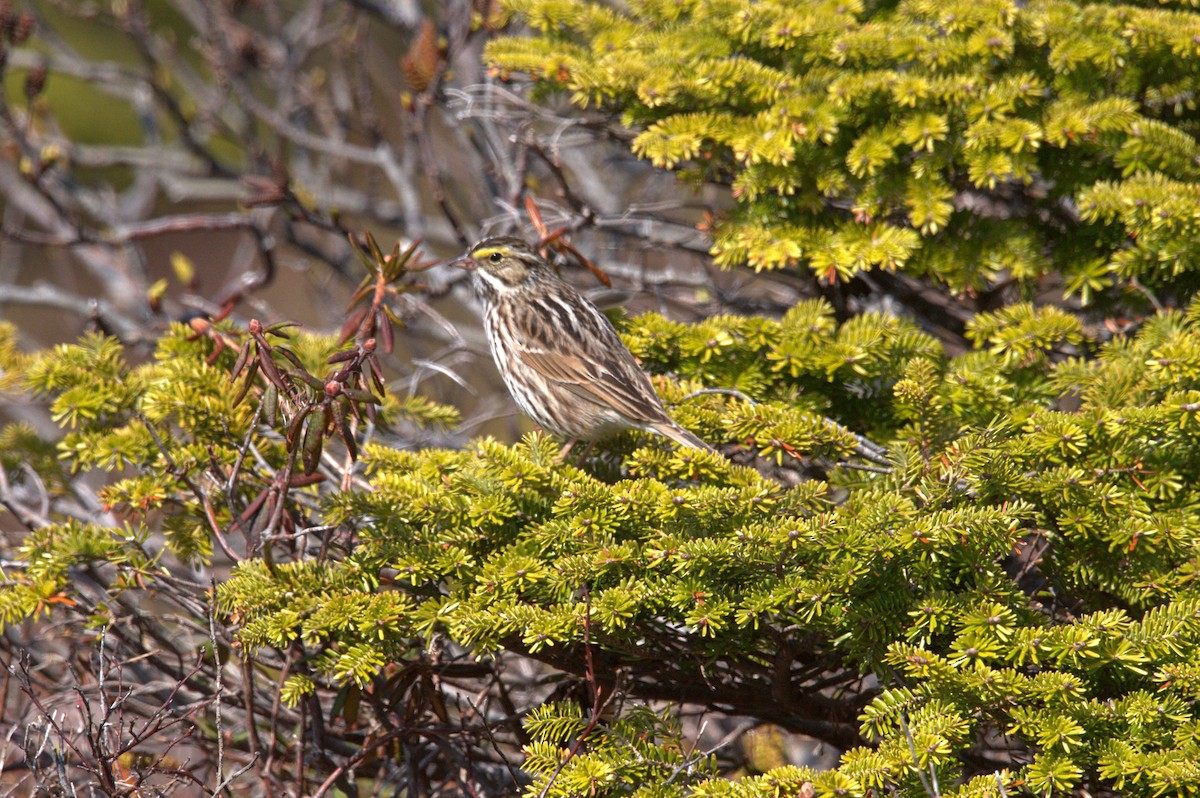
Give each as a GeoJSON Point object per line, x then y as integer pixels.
{"type": "Point", "coordinates": [558, 354]}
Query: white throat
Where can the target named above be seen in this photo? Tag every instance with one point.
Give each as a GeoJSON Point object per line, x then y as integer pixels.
{"type": "Point", "coordinates": [491, 284]}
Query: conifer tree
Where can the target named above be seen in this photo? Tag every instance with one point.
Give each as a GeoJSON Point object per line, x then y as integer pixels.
{"type": "Point", "coordinates": [1004, 603]}
{"type": "Point", "coordinates": [973, 142]}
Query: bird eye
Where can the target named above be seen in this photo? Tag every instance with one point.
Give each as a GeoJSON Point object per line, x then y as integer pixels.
{"type": "Point", "coordinates": [495, 257]}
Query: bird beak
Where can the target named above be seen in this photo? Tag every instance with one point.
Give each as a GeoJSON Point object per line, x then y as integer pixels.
{"type": "Point", "coordinates": [465, 263]}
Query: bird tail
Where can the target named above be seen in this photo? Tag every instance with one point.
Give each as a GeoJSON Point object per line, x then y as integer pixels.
{"type": "Point", "coordinates": [681, 436]}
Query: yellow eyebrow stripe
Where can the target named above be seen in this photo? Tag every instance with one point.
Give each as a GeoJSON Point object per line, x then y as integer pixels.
{"type": "Point", "coordinates": [483, 253]}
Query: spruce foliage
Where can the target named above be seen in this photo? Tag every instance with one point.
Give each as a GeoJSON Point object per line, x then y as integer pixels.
{"type": "Point", "coordinates": [972, 142]}
{"type": "Point", "coordinates": [700, 579]}
{"type": "Point", "coordinates": [1007, 607]}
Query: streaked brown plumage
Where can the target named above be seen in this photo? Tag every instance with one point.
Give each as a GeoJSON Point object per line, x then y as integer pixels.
{"type": "Point", "coordinates": [560, 357]}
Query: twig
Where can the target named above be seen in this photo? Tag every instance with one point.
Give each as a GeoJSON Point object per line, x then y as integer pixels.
{"type": "Point", "coordinates": [931, 788]}
{"type": "Point", "coordinates": [723, 391]}
{"type": "Point", "coordinates": [219, 688]}
{"type": "Point", "coordinates": [42, 294]}
{"type": "Point", "coordinates": [359, 756]}
{"type": "Point", "coordinates": [598, 705]}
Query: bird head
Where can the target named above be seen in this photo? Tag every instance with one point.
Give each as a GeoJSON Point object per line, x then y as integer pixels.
{"type": "Point", "coordinates": [504, 264]}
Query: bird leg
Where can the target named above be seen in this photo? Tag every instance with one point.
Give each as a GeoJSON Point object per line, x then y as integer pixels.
{"type": "Point", "coordinates": [584, 455]}
{"type": "Point", "coordinates": [565, 450]}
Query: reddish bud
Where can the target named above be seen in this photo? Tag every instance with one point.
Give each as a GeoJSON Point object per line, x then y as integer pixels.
{"type": "Point", "coordinates": [35, 81]}
{"type": "Point", "coordinates": [23, 28]}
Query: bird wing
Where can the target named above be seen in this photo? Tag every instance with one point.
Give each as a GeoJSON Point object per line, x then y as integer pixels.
{"type": "Point", "coordinates": [587, 358]}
